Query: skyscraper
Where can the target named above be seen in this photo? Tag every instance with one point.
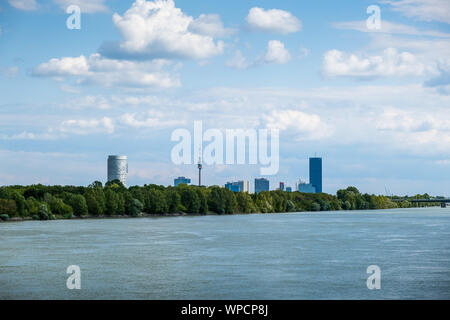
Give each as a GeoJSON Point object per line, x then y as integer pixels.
{"type": "Point", "coordinates": [315, 173]}
{"type": "Point", "coordinates": [118, 168]}
{"type": "Point", "coordinates": [261, 185]}
{"type": "Point", "coordinates": [282, 186]}
{"type": "Point", "coordinates": [239, 186]}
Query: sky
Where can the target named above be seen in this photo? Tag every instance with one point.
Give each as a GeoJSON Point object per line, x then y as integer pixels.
{"type": "Point", "coordinates": [372, 102]}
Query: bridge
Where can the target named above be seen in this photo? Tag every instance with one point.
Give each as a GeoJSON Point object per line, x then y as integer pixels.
{"type": "Point", "coordinates": [442, 201]}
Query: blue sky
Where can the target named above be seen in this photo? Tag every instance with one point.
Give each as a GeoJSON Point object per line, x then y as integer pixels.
{"type": "Point", "coordinates": [373, 103]}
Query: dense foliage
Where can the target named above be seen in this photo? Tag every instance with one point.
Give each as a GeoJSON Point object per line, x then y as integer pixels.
{"type": "Point", "coordinates": [49, 202]}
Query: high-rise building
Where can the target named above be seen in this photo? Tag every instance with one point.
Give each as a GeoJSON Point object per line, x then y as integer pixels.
{"type": "Point", "coordinates": [306, 188]}
{"type": "Point", "coordinates": [315, 173]}
{"type": "Point", "coordinates": [288, 189]}
{"type": "Point", "coordinates": [282, 186]}
{"type": "Point", "coordinates": [118, 168]}
{"type": "Point", "coordinates": [261, 185]}
{"type": "Point", "coordinates": [181, 180]}
{"type": "Point", "coordinates": [239, 186]}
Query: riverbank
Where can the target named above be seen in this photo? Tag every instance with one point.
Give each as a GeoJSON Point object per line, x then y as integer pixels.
{"type": "Point", "coordinates": [183, 214]}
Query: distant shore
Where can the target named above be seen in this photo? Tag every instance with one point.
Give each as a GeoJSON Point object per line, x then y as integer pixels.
{"type": "Point", "coordinates": [168, 215]}
{"type": "Point", "coordinates": [114, 200]}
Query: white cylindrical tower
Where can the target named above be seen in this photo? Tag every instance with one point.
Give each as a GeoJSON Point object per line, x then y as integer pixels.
{"type": "Point", "coordinates": [118, 168]}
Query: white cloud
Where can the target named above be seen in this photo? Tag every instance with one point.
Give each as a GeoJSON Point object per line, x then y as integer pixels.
{"type": "Point", "coordinates": [425, 10]}
{"type": "Point", "coordinates": [402, 121]}
{"type": "Point", "coordinates": [10, 72]}
{"type": "Point", "coordinates": [276, 53]}
{"type": "Point", "coordinates": [417, 129]}
{"type": "Point", "coordinates": [109, 72]}
{"type": "Point", "coordinates": [390, 28]}
{"type": "Point", "coordinates": [209, 25]}
{"type": "Point", "coordinates": [238, 61]}
{"type": "Point", "coordinates": [86, 6]}
{"type": "Point", "coordinates": [274, 21]}
{"type": "Point", "coordinates": [26, 5]}
{"type": "Point", "coordinates": [67, 66]}
{"type": "Point", "coordinates": [87, 102]}
{"type": "Point", "coordinates": [390, 63]}
{"type": "Point", "coordinates": [150, 119]}
{"type": "Point", "coordinates": [89, 126]}
{"type": "Point", "coordinates": [157, 29]}
{"type": "Point", "coordinates": [304, 125]}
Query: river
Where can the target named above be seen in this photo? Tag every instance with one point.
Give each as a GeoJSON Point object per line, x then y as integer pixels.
{"type": "Point", "coordinates": [271, 256]}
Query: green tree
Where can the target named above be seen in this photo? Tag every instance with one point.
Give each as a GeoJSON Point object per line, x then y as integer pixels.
{"type": "Point", "coordinates": [189, 198]}
{"type": "Point", "coordinates": [78, 204]}
{"type": "Point", "coordinates": [8, 207]}
{"type": "Point", "coordinates": [92, 203]}
{"type": "Point", "coordinates": [216, 201]}
{"type": "Point", "coordinates": [20, 203]}
{"type": "Point", "coordinates": [245, 203]}
{"type": "Point", "coordinates": [173, 200]}
{"type": "Point", "coordinates": [112, 202]}
{"type": "Point", "coordinates": [155, 202]}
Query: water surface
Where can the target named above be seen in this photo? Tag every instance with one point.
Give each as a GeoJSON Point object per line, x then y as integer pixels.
{"type": "Point", "coordinates": [279, 256]}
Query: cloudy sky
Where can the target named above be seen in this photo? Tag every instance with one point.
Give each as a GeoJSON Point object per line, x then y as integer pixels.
{"type": "Point", "coordinates": [374, 103]}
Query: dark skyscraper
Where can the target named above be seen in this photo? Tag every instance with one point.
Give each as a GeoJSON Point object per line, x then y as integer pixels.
{"type": "Point", "coordinates": [261, 185]}
{"type": "Point", "coordinates": [315, 173]}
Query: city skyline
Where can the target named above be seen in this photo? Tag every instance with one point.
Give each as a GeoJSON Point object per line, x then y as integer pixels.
{"type": "Point", "coordinates": [372, 102]}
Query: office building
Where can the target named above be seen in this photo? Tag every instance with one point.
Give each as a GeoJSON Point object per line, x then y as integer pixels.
{"type": "Point", "coordinates": [288, 189]}
{"type": "Point", "coordinates": [282, 186]}
{"type": "Point", "coordinates": [118, 168]}
{"type": "Point", "coordinates": [181, 180]}
{"type": "Point", "coordinates": [239, 186]}
{"type": "Point", "coordinates": [306, 188]}
{"type": "Point", "coordinates": [315, 173]}
{"type": "Point", "coordinates": [261, 185]}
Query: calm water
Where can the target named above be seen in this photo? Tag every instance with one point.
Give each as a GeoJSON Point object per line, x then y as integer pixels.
{"type": "Point", "coordinates": [283, 256]}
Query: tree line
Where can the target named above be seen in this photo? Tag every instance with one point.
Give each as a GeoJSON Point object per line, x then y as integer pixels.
{"type": "Point", "coordinates": [41, 202]}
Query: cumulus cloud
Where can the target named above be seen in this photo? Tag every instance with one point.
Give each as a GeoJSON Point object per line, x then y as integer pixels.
{"type": "Point", "coordinates": [274, 21]}
{"type": "Point", "coordinates": [238, 61]}
{"type": "Point", "coordinates": [276, 53]}
{"type": "Point", "coordinates": [415, 129]}
{"type": "Point", "coordinates": [88, 102]}
{"type": "Point", "coordinates": [390, 28]}
{"type": "Point", "coordinates": [86, 6]}
{"type": "Point", "coordinates": [389, 63]}
{"type": "Point", "coordinates": [157, 29]}
{"type": "Point", "coordinates": [108, 72]}
{"type": "Point", "coordinates": [26, 5]}
{"type": "Point", "coordinates": [400, 120]}
{"type": "Point", "coordinates": [150, 119]}
{"type": "Point", "coordinates": [210, 25]}
{"type": "Point", "coordinates": [425, 10]}
{"type": "Point", "coordinates": [89, 126]}
{"type": "Point", "coordinates": [304, 125]}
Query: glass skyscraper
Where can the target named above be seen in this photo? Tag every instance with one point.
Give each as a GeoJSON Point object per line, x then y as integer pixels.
{"type": "Point", "coordinates": [315, 173]}
{"type": "Point", "coordinates": [261, 185]}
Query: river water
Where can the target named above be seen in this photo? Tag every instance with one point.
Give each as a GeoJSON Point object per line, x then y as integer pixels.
{"type": "Point", "coordinates": [273, 256]}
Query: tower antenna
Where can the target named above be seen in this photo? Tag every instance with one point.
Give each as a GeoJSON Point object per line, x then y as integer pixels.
{"type": "Point", "coordinates": [200, 166]}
